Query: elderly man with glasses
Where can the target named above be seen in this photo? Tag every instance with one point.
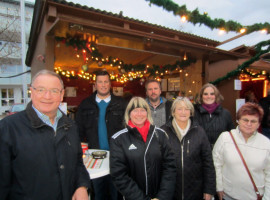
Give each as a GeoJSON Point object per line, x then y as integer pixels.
{"type": "Point", "coordinates": [40, 152]}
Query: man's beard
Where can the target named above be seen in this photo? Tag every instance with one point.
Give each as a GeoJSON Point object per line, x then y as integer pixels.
{"type": "Point", "coordinates": [154, 99]}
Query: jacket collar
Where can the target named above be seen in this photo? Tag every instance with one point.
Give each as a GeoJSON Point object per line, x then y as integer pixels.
{"type": "Point", "coordinates": [36, 122]}
{"type": "Point", "coordinates": [203, 110]}
{"type": "Point", "coordinates": [194, 123]}
{"type": "Point", "coordinates": [92, 98]}
{"type": "Point", "coordinates": [136, 133]}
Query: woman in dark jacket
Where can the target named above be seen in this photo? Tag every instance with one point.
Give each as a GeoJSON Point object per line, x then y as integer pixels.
{"type": "Point", "coordinates": [142, 164]}
{"type": "Point", "coordinates": [195, 177]}
{"type": "Point", "coordinates": [211, 115]}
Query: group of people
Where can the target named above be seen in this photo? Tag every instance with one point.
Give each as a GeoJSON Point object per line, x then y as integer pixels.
{"type": "Point", "coordinates": [159, 150]}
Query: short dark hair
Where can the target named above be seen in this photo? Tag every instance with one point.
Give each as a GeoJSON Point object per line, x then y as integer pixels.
{"type": "Point", "coordinates": [250, 109]}
{"type": "Point", "coordinates": [102, 73]}
{"type": "Point", "coordinates": [152, 81]}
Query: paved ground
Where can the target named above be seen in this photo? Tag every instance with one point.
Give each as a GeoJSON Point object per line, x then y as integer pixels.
{"type": "Point", "coordinates": [2, 116]}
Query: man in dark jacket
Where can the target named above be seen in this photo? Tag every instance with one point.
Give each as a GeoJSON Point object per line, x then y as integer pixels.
{"type": "Point", "coordinates": [160, 107]}
{"type": "Point", "coordinates": [40, 151]}
{"type": "Point", "coordinates": [99, 117]}
{"type": "Point", "coordinates": [265, 104]}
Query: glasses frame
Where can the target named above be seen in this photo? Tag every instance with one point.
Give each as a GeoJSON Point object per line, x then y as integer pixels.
{"type": "Point", "coordinates": [246, 121]}
{"type": "Point", "coordinates": [43, 91]}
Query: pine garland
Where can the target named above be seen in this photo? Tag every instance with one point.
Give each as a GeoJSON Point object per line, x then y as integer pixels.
{"type": "Point", "coordinates": [196, 18]}
{"type": "Point", "coordinates": [259, 49]}
{"type": "Point", "coordinates": [157, 70]}
{"type": "Point", "coordinates": [92, 50]}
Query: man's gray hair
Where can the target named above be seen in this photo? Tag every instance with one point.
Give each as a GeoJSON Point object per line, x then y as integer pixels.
{"type": "Point", "coordinates": [47, 72]}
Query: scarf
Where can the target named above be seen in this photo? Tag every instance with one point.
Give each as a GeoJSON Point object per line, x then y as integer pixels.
{"type": "Point", "coordinates": [143, 130]}
{"type": "Point", "coordinates": [210, 107]}
{"type": "Point", "coordinates": [180, 133]}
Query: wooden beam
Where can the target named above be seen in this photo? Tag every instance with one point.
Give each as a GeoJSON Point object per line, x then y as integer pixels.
{"type": "Point", "coordinates": [52, 14]}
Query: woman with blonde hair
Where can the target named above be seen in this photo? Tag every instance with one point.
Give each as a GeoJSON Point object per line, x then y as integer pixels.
{"type": "Point", "coordinates": [195, 178]}
{"type": "Point", "coordinates": [142, 164]}
{"type": "Point", "coordinates": [210, 114]}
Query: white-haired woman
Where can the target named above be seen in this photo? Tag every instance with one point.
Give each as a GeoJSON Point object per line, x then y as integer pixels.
{"type": "Point", "coordinates": [142, 164]}
{"type": "Point", "coordinates": [195, 177]}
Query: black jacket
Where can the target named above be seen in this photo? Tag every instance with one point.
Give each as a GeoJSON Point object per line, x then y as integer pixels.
{"type": "Point", "coordinates": [168, 106]}
{"type": "Point", "coordinates": [196, 172]}
{"type": "Point", "coordinates": [139, 170]}
{"type": "Point", "coordinates": [213, 124]}
{"type": "Point", "coordinates": [38, 163]}
{"type": "Point", "coordinates": [265, 104]}
{"type": "Point", "coordinates": [87, 119]}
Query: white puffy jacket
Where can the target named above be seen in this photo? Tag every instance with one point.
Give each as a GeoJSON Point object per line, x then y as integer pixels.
{"type": "Point", "coordinates": [231, 175]}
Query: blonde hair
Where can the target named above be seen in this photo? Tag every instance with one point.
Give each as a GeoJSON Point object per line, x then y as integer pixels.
{"type": "Point", "coordinates": [218, 96]}
{"type": "Point", "coordinates": [137, 102]}
{"type": "Point", "coordinates": [186, 101]}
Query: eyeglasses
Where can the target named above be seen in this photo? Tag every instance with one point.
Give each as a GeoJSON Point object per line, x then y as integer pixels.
{"type": "Point", "coordinates": [246, 121]}
{"type": "Point", "coordinates": [42, 91]}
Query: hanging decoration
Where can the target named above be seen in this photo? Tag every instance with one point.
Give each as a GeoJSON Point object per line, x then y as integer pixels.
{"type": "Point", "coordinates": [90, 51]}
{"type": "Point", "coordinates": [261, 48]}
{"type": "Point", "coordinates": [197, 18]}
{"type": "Point", "coordinates": [85, 68]}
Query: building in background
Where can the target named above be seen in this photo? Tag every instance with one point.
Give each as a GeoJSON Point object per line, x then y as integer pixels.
{"type": "Point", "coordinates": [11, 69]}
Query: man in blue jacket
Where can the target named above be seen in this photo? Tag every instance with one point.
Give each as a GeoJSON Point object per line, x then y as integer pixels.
{"type": "Point", "coordinates": [40, 152]}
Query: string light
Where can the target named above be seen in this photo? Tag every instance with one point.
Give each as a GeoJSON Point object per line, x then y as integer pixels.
{"type": "Point", "coordinates": [183, 18]}
{"type": "Point", "coordinates": [221, 31]}
{"type": "Point", "coordinates": [243, 30]}
{"type": "Point", "coordinates": [263, 31]}
{"type": "Point", "coordinates": [185, 56]}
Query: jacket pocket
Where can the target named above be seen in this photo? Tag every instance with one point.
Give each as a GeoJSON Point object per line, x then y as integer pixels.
{"type": "Point", "coordinates": [88, 117]}
{"type": "Point", "coordinates": [117, 116]}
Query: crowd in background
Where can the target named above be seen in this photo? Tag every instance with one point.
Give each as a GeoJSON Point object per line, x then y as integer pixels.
{"type": "Point", "coordinates": [159, 149]}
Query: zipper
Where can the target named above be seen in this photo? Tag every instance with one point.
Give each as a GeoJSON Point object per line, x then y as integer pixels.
{"type": "Point", "coordinates": [65, 126]}
{"type": "Point", "coordinates": [182, 161]}
{"type": "Point", "coordinates": [144, 159]}
{"type": "Point", "coordinates": [188, 147]}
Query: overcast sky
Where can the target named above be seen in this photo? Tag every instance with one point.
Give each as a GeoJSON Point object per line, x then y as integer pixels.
{"type": "Point", "coordinates": [246, 12]}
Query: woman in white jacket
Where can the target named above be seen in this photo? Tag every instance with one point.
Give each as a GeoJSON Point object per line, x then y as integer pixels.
{"type": "Point", "coordinates": [233, 181]}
